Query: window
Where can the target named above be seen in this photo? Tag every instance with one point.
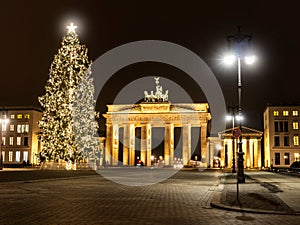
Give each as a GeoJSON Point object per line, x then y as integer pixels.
{"type": "Point", "coordinates": [276, 126]}
{"type": "Point", "coordinates": [3, 155]}
{"type": "Point", "coordinates": [3, 140]}
{"type": "Point", "coordinates": [285, 126]}
{"type": "Point", "coordinates": [11, 127]}
{"type": "Point", "coordinates": [26, 116]}
{"type": "Point", "coordinates": [295, 112]}
{"type": "Point", "coordinates": [25, 141]}
{"type": "Point", "coordinates": [26, 128]}
{"type": "Point", "coordinates": [286, 141]}
{"type": "Point", "coordinates": [11, 140]}
{"type": "Point", "coordinates": [12, 116]}
{"type": "Point", "coordinates": [18, 156]}
{"type": "Point", "coordinates": [25, 156]}
{"type": "Point", "coordinates": [286, 158]}
{"type": "Point", "coordinates": [23, 128]}
{"type": "Point", "coordinates": [296, 140]}
{"type": "Point", "coordinates": [277, 158]}
{"type": "Point", "coordinates": [285, 113]}
{"type": "Point", "coordinates": [276, 113]}
{"type": "Point", "coordinates": [3, 126]}
{"type": "Point", "coordinates": [18, 140]}
{"type": "Point", "coordinates": [10, 156]}
{"type": "Point", "coordinates": [295, 125]}
{"type": "Point", "coordinates": [276, 141]}
{"type": "Point", "coordinates": [19, 116]}
{"type": "Point", "coordinates": [281, 126]}
{"type": "Point", "coordinates": [19, 128]}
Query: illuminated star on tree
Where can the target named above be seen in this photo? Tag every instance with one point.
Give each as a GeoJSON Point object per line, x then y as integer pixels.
{"type": "Point", "coordinates": [71, 28]}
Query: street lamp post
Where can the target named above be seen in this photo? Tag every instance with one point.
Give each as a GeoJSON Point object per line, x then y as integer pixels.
{"type": "Point", "coordinates": [3, 122]}
{"type": "Point", "coordinates": [241, 42]}
{"type": "Point", "coordinates": [232, 117]}
{"type": "Point", "coordinates": [240, 175]}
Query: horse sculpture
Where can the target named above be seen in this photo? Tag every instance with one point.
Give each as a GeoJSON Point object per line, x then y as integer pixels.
{"type": "Point", "coordinates": [158, 96]}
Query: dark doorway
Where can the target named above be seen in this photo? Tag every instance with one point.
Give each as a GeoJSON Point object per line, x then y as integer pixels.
{"type": "Point", "coordinates": [121, 146]}
{"type": "Point", "coordinates": [157, 142]}
{"type": "Point", "coordinates": [195, 143]}
{"type": "Point", "coordinates": [137, 151]}
{"type": "Point", "coordinates": [178, 142]}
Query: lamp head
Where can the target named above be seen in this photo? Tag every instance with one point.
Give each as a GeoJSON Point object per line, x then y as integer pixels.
{"type": "Point", "coordinates": [250, 59]}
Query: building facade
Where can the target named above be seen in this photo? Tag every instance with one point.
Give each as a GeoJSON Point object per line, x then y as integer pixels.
{"type": "Point", "coordinates": [19, 135]}
{"type": "Point", "coordinates": [251, 147]}
{"type": "Point", "coordinates": [146, 117]}
{"type": "Point", "coordinates": [281, 136]}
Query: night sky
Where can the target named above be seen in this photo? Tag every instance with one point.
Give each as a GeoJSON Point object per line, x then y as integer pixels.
{"type": "Point", "coordinates": [31, 33]}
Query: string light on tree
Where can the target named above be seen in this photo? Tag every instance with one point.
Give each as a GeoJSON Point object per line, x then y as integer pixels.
{"type": "Point", "coordinates": [69, 67]}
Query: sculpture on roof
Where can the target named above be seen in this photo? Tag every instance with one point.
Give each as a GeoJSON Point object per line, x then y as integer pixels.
{"type": "Point", "coordinates": [159, 96]}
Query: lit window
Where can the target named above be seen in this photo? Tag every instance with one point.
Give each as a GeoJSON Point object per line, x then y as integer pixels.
{"type": "Point", "coordinates": [10, 156]}
{"type": "Point", "coordinates": [295, 125]}
{"type": "Point", "coordinates": [23, 128]}
{"type": "Point", "coordinates": [19, 116]}
{"type": "Point", "coordinates": [12, 116]}
{"type": "Point", "coordinates": [296, 140]}
{"type": "Point", "coordinates": [25, 156]}
{"type": "Point", "coordinates": [3, 140]}
{"type": "Point", "coordinates": [19, 128]}
{"type": "Point", "coordinates": [18, 156]}
{"type": "Point", "coordinates": [26, 116]}
{"type": "Point", "coordinates": [18, 140]}
{"type": "Point", "coordinates": [285, 113]}
{"type": "Point", "coordinates": [276, 113]}
{"type": "Point", "coordinates": [11, 140]}
{"type": "Point", "coordinates": [26, 128]}
{"type": "Point", "coordinates": [3, 126]}
{"type": "Point", "coordinates": [295, 112]}
{"type": "Point", "coordinates": [11, 127]}
{"type": "Point", "coordinates": [3, 155]}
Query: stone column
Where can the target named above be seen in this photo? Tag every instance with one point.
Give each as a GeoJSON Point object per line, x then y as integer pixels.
{"type": "Point", "coordinates": [115, 145]}
{"type": "Point", "coordinates": [223, 154]}
{"type": "Point", "coordinates": [203, 143]}
{"type": "Point", "coordinates": [146, 144]}
{"type": "Point", "coordinates": [131, 144]}
{"type": "Point", "coordinates": [186, 144]}
{"type": "Point", "coordinates": [126, 144]}
{"type": "Point", "coordinates": [248, 153]}
{"type": "Point", "coordinates": [169, 144]}
{"type": "Point", "coordinates": [149, 144]}
{"type": "Point", "coordinates": [108, 144]}
{"type": "Point", "coordinates": [258, 153]}
{"type": "Point", "coordinates": [230, 144]}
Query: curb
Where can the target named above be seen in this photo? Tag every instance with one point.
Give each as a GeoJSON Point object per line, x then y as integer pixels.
{"type": "Point", "coordinates": [48, 179]}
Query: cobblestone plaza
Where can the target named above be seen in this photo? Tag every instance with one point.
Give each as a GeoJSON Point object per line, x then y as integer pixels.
{"type": "Point", "coordinates": [59, 197]}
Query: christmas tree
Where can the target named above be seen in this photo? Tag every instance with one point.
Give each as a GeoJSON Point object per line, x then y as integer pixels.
{"type": "Point", "coordinates": [69, 68]}
{"type": "Point", "coordinates": [83, 115]}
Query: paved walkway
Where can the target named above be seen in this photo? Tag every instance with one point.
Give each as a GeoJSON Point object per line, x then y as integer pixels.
{"type": "Point", "coordinates": [184, 198]}
{"type": "Point", "coordinates": [263, 192]}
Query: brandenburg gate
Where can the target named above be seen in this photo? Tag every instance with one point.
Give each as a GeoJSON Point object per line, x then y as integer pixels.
{"type": "Point", "coordinates": [155, 111]}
